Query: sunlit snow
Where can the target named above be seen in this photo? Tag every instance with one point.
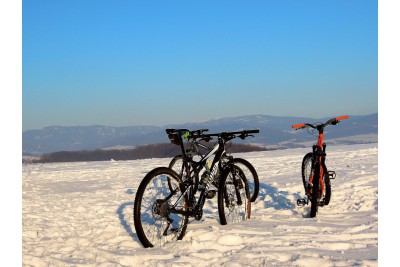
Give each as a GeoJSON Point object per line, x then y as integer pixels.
{"type": "Point", "coordinates": [80, 214]}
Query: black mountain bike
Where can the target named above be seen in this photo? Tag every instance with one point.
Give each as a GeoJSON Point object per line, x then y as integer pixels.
{"type": "Point", "coordinates": [198, 149]}
{"type": "Point", "coordinates": [315, 175]}
{"type": "Point", "coordinates": [164, 200]}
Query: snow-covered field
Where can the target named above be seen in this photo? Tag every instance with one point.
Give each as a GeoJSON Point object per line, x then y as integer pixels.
{"type": "Point", "coordinates": [80, 214]}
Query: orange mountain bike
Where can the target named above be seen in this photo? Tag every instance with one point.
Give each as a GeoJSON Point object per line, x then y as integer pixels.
{"type": "Point", "coordinates": [316, 177]}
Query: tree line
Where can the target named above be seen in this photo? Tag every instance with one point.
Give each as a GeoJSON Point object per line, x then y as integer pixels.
{"type": "Point", "coordinates": [163, 150]}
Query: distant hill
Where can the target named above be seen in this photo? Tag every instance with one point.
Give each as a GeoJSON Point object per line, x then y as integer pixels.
{"type": "Point", "coordinates": [275, 132]}
{"type": "Point", "coordinates": [164, 150]}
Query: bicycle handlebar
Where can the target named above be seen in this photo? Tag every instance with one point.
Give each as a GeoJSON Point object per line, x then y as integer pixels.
{"type": "Point", "coordinates": [207, 137]}
{"type": "Point", "coordinates": [333, 121]}
{"type": "Point", "coordinates": [231, 135]}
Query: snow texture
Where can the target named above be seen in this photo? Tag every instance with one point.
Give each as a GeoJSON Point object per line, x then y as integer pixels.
{"type": "Point", "coordinates": [80, 214]}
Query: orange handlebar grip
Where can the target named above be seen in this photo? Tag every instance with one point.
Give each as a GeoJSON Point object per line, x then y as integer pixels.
{"type": "Point", "coordinates": [345, 117]}
{"type": "Point", "coordinates": [296, 126]}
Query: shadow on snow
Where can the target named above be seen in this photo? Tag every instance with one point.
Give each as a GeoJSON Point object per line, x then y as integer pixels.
{"type": "Point", "coordinates": [123, 220]}
{"type": "Point", "coordinates": [273, 198]}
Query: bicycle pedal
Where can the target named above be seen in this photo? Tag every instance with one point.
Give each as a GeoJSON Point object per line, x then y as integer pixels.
{"type": "Point", "coordinates": [211, 194]}
{"type": "Point", "coordinates": [302, 202]}
{"type": "Point", "coordinates": [332, 175]}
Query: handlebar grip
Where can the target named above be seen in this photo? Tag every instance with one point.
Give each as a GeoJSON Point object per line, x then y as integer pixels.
{"type": "Point", "coordinates": [298, 126]}
{"type": "Point", "coordinates": [252, 131]}
{"type": "Point", "coordinates": [345, 117]}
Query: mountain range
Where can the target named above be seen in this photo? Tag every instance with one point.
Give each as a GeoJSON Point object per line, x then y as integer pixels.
{"type": "Point", "coordinates": [275, 132]}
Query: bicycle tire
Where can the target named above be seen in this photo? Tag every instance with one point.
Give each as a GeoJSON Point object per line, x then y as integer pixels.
{"type": "Point", "coordinates": [152, 211]}
{"type": "Point", "coordinates": [328, 189]}
{"type": "Point", "coordinates": [306, 168]}
{"type": "Point", "coordinates": [315, 192]}
{"type": "Point", "coordinates": [229, 209]}
{"type": "Point", "coordinates": [251, 176]}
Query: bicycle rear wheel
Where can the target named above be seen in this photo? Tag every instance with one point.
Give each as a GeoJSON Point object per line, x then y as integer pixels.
{"type": "Point", "coordinates": [315, 194]}
{"type": "Point", "coordinates": [234, 203]}
{"type": "Point", "coordinates": [159, 209]}
{"type": "Point", "coordinates": [251, 176]}
{"type": "Point", "coordinates": [176, 164]}
{"type": "Point", "coordinates": [306, 169]}
{"type": "Point", "coordinates": [328, 189]}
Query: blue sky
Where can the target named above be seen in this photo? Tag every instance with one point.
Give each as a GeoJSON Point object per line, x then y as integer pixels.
{"type": "Point", "coordinates": [122, 63]}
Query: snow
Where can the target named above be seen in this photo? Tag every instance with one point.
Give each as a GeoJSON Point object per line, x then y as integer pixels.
{"type": "Point", "coordinates": [80, 214]}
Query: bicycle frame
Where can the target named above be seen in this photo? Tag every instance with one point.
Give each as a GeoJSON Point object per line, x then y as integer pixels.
{"type": "Point", "coordinates": [198, 165]}
{"type": "Point", "coordinates": [187, 186]}
{"type": "Point", "coordinates": [194, 149]}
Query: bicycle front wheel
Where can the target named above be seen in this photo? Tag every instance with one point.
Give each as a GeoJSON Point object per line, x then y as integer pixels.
{"type": "Point", "coordinates": [315, 194]}
{"type": "Point", "coordinates": [251, 176]}
{"type": "Point", "coordinates": [234, 203]}
{"type": "Point", "coordinates": [160, 210]}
